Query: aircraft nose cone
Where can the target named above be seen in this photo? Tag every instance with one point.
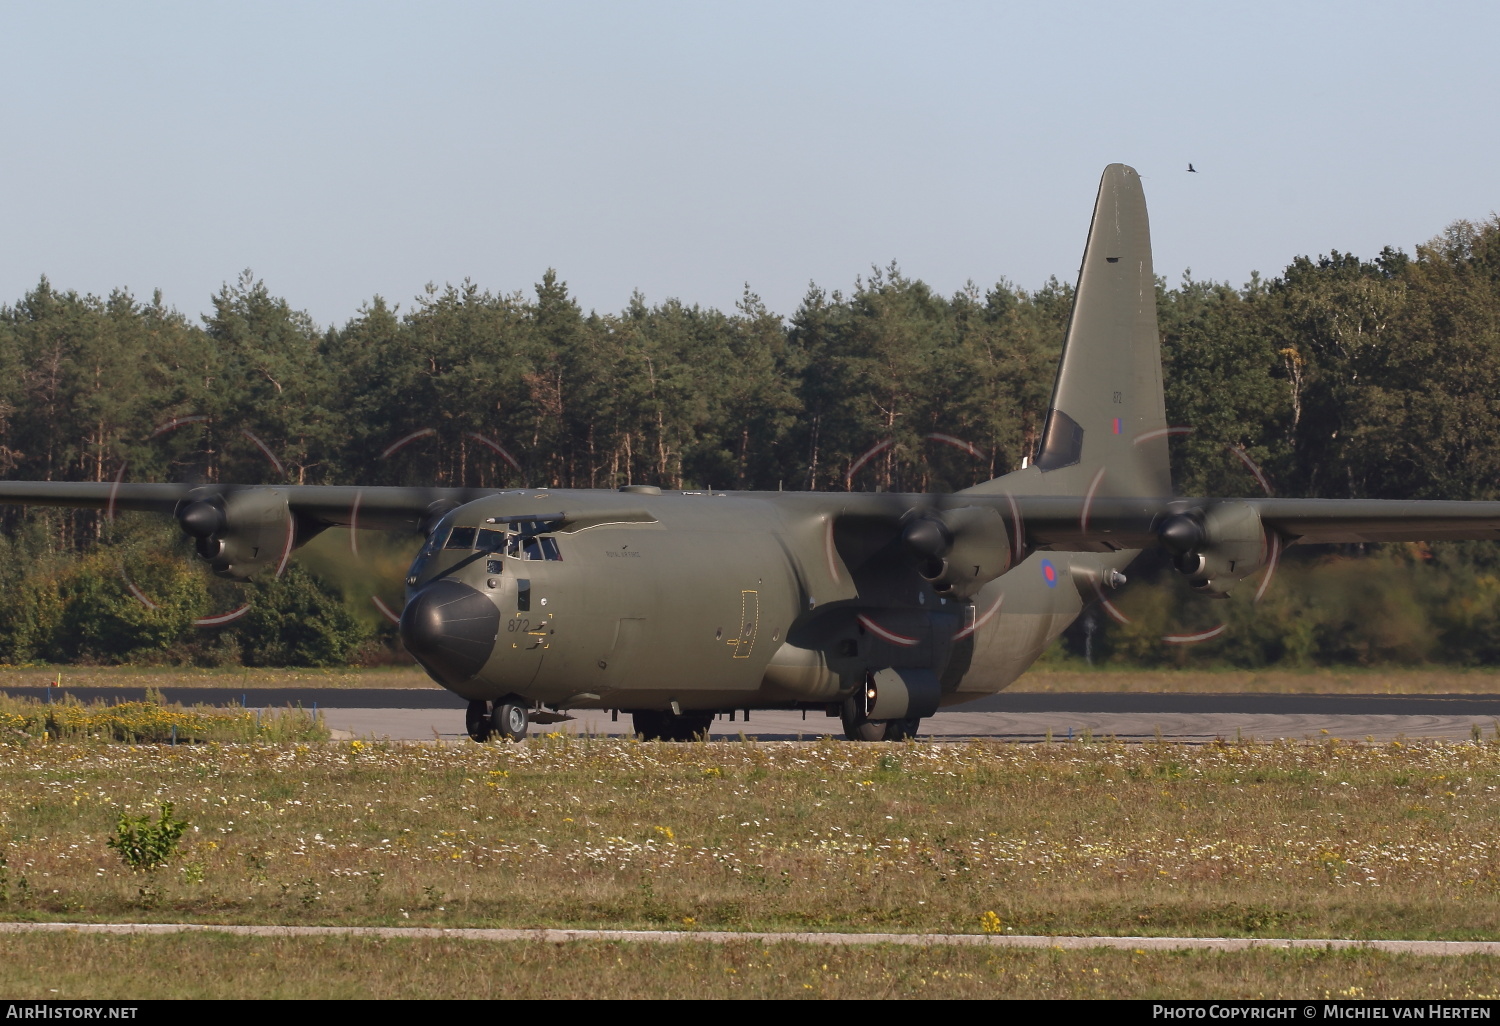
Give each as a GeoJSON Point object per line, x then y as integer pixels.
{"type": "Point", "coordinates": [450, 629]}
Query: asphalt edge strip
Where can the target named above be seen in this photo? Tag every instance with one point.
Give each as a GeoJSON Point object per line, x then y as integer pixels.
{"type": "Point", "coordinates": [554, 936]}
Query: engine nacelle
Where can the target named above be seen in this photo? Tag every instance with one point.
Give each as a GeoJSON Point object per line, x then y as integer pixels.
{"type": "Point", "coordinates": [1218, 547]}
{"type": "Point", "coordinates": [241, 532]}
{"type": "Point", "coordinates": [961, 550]}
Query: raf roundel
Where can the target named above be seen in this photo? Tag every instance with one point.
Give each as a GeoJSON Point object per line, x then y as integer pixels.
{"type": "Point", "coordinates": [1049, 573]}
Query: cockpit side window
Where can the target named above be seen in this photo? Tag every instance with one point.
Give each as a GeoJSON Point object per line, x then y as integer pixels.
{"type": "Point", "coordinates": [461, 538]}
{"type": "Point", "coordinates": [491, 540]}
{"type": "Point", "coordinates": [436, 539]}
{"type": "Point", "coordinates": [532, 547]}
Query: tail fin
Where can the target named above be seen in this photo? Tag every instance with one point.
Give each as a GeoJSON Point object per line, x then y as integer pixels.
{"type": "Point", "coordinates": [1107, 412]}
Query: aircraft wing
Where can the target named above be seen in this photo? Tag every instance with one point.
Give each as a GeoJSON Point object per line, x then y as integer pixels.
{"type": "Point", "coordinates": [1071, 523]}
{"type": "Point", "coordinates": [1061, 522]}
{"type": "Point", "coordinates": [331, 506]}
{"type": "Point", "coordinates": [1318, 521]}
{"type": "Point", "coordinates": [145, 498]}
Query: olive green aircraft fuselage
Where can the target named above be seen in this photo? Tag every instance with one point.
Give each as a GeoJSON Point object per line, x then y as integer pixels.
{"type": "Point", "coordinates": [715, 601]}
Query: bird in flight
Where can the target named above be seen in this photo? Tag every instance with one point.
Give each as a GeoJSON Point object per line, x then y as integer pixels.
{"type": "Point", "coordinates": [1192, 169]}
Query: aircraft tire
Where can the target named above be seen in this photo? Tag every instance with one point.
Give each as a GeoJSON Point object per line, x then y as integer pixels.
{"type": "Point", "coordinates": [509, 720]}
{"type": "Point", "coordinates": [655, 725]}
{"type": "Point", "coordinates": [650, 724]}
{"type": "Point", "coordinates": [902, 730]}
{"type": "Point", "coordinates": [477, 721]}
{"type": "Point", "coordinates": [691, 726]}
{"type": "Point", "coordinates": [857, 727]}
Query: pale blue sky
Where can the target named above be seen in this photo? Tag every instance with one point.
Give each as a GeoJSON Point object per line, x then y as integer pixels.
{"type": "Point", "coordinates": [347, 149]}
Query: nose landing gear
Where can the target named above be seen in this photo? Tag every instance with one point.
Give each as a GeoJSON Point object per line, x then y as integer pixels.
{"type": "Point", "coordinates": [506, 721]}
{"type": "Point", "coordinates": [477, 721]}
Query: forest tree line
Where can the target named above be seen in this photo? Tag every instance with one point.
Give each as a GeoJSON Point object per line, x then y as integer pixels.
{"type": "Point", "coordinates": [1340, 377]}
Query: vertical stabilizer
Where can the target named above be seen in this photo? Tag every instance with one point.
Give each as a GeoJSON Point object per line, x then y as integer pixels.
{"type": "Point", "coordinates": [1107, 412]}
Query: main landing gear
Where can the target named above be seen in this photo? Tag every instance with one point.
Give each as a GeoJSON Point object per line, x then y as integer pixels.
{"type": "Point", "coordinates": [507, 720]}
{"type": "Point", "coordinates": [654, 725]}
{"type": "Point", "coordinates": [858, 727]}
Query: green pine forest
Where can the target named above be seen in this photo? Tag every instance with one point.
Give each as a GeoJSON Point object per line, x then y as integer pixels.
{"type": "Point", "coordinates": [1339, 377]}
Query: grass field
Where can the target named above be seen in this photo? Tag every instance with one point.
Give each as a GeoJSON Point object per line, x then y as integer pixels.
{"type": "Point", "coordinates": [1430, 680]}
{"type": "Point", "coordinates": [219, 966]}
{"type": "Point", "coordinates": [1323, 840]}
{"type": "Point", "coordinates": [1337, 681]}
{"type": "Point", "coordinates": [1333, 839]}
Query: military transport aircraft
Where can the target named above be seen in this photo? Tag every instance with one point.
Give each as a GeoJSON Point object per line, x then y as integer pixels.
{"type": "Point", "coordinates": [876, 607]}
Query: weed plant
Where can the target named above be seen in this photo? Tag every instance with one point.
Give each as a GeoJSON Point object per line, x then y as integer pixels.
{"type": "Point", "coordinates": [145, 846]}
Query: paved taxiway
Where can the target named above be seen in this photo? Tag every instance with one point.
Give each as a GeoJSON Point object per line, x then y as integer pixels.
{"type": "Point", "coordinates": [425, 713]}
{"type": "Point", "coordinates": [924, 940]}
{"type": "Point", "coordinates": [426, 724]}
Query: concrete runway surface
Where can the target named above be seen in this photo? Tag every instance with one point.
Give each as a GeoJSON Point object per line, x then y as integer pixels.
{"type": "Point", "coordinates": [1030, 716]}
{"type": "Point", "coordinates": [430, 724]}
{"type": "Point", "coordinates": [925, 940]}
{"type": "Point", "coordinates": [427, 713]}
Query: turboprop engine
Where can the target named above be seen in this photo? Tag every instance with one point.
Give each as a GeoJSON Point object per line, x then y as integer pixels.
{"type": "Point", "coordinates": [239, 532]}
{"type": "Point", "coordinates": [1217, 547]}
{"type": "Point", "coordinates": [960, 550]}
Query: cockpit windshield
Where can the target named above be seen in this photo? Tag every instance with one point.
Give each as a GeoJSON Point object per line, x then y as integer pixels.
{"type": "Point", "coordinates": [461, 538]}
{"type": "Point", "coordinates": [436, 539]}
{"type": "Point", "coordinates": [524, 544]}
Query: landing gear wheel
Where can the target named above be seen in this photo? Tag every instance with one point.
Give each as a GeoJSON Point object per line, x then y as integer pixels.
{"type": "Point", "coordinates": [691, 726]}
{"type": "Point", "coordinates": [902, 730]}
{"type": "Point", "coordinates": [510, 720]}
{"type": "Point", "coordinates": [650, 724]}
{"type": "Point", "coordinates": [477, 721]}
{"type": "Point", "coordinates": [655, 725]}
{"type": "Point", "coordinates": [857, 727]}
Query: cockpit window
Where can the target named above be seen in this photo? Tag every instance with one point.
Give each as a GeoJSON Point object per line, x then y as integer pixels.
{"type": "Point", "coordinates": [461, 538]}
{"type": "Point", "coordinates": [491, 540]}
{"type": "Point", "coordinates": [531, 547]}
{"type": "Point", "coordinates": [435, 540]}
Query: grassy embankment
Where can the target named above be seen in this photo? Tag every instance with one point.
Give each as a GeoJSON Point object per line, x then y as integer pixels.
{"type": "Point", "coordinates": [27, 721]}
{"type": "Point", "coordinates": [229, 677]}
{"type": "Point", "coordinates": [1346, 680]}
